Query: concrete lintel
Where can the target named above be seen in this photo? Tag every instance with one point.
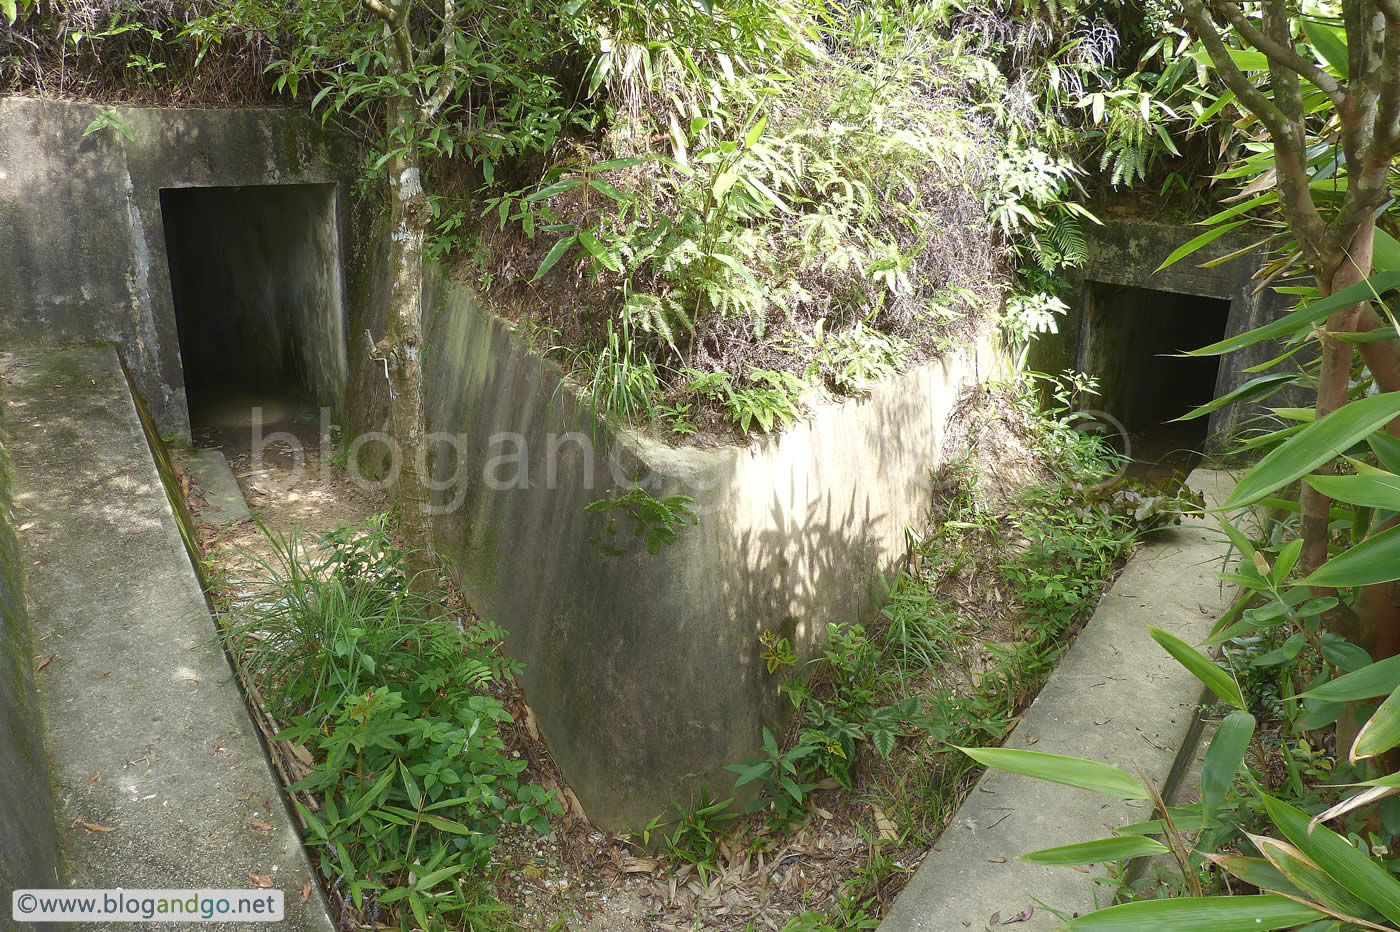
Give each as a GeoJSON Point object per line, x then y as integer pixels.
{"type": "Point", "coordinates": [1115, 697]}
{"type": "Point", "coordinates": [160, 777]}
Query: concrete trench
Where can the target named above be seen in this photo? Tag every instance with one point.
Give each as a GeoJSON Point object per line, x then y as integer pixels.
{"type": "Point", "coordinates": [217, 256]}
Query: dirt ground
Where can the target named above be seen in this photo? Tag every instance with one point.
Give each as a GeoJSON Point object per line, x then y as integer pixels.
{"type": "Point", "coordinates": [577, 877]}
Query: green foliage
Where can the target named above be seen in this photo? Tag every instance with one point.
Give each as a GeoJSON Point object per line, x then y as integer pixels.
{"type": "Point", "coordinates": [694, 835]}
{"type": "Point", "coordinates": [390, 695]}
{"type": "Point", "coordinates": [108, 119]}
{"type": "Point", "coordinates": [784, 780]}
{"type": "Point", "coordinates": [771, 397]}
{"type": "Point", "coordinates": [655, 520]}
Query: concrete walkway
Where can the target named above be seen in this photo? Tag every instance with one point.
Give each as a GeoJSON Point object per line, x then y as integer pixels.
{"type": "Point", "coordinates": [1115, 697]}
{"type": "Point", "coordinates": [160, 778]}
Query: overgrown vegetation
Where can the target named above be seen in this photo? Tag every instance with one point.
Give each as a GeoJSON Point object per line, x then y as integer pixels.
{"type": "Point", "coordinates": [720, 212]}
{"type": "Point", "coordinates": [396, 703]}
{"type": "Point", "coordinates": [969, 632]}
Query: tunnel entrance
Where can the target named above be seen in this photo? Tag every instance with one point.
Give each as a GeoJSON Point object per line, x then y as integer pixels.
{"type": "Point", "coordinates": [256, 280]}
{"type": "Point", "coordinates": [1129, 338]}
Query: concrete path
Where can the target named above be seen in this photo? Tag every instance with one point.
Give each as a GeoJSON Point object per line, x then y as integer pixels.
{"type": "Point", "coordinates": [1116, 697]}
{"type": "Point", "coordinates": [217, 498]}
{"type": "Point", "coordinates": [160, 778]}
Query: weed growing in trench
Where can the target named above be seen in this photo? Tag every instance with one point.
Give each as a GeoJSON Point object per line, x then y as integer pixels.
{"type": "Point", "coordinates": [655, 520]}
{"type": "Point", "coordinates": [392, 697]}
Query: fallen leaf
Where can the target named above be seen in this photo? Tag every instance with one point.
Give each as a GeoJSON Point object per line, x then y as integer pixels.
{"type": "Point", "coordinates": [306, 890]}
{"type": "Point", "coordinates": [638, 865]}
{"type": "Point", "coordinates": [93, 779]}
{"type": "Point", "coordinates": [43, 662]}
{"type": "Point", "coordinates": [822, 812]}
{"type": "Point", "coordinates": [98, 828]}
{"type": "Point", "coordinates": [26, 526]}
{"type": "Point", "coordinates": [261, 880]}
{"type": "Point", "coordinates": [260, 826]}
{"type": "Point", "coordinates": [575, 807]}
{"type": "Point", "coordinates": [888, 831]}
{"type": "Point", "coordinates": [997, 860]}
{"type": "Point", "coordinates": [1022, 916]}
{"type": "Point", "coordinates": [1032, 740]}
{"type": "Point", "coordinates": [532, 728]}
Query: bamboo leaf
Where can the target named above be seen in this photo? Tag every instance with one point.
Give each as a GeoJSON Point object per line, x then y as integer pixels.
{"type": "Point", "coordinates": [1315, 883]}
{"type": "Point", "coordinates": [1377, 679]}
{"type": "Point", "coordinates": [1201, 667]}
{"type": "Point", "coordinates": [1385, 252]}
{"type": "Point", "coordinates": [597, 250]}
{"type": "Point", "coordinates": [1205, 239]}
{"type": "Point", "coordinates": [1264, 385]}
{"type": "Point", "coordinates": [1333, 854]}
{"type": "Point", "coordinates": [1330, 45]}
{"type": "Point", "coordinates": [559, 187]}
{"type": "Point", "coordinates": [1375, 560]}
{"type": "Point", "coordinates": [1380, 283]}
{"type": "Point", "coordinates": [1095, 852]}
{"type": "Point", "coordinates": [1372, 490]}
{"type": "Point", "coordinates": [1223, 759]}
{"type": "Point", "coordinates": [1260, 913]}
{"type": "Point", "coordinates": [1314, 445]}
{"type": "Point", "coordinates": [556, 252]}
{"type": "Point", "coordinates": [1082, 774]}
{"type": "Point", "coordinates": [1381, 733]}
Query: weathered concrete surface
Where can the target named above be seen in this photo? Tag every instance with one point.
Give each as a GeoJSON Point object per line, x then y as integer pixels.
{"type": "Point", "coordinates": [1105, 331]}
{"type": "Point", "coordinates": [28, 839]}
{"type": "Point", "coordinates": [218, 500]}
{"type": "Point", "coordinates": [1116, 697]}
{"type": "Point", "coordinates": [645, 670]}
{"type": "Point", "coordinates": [146, 730]}
{"type": "Point", "coordinates": [81, 222]}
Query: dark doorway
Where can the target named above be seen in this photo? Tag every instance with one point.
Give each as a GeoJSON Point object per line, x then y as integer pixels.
{"type": "Point", "coordinates": [256, 280]}
{"type": "Point", "coordinates": [1129, 342]}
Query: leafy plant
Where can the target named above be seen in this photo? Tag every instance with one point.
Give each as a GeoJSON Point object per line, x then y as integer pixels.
{"type": "Point", "coordinates": [784, 779]}
{"type": "Point", "coordinates": [389, 694]}
{"type": "Point", "coordinates": [656, 520]}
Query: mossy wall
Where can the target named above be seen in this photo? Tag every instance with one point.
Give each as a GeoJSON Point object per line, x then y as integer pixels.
{"type": "Point", "coordinates": [644, 669]}
{"type": "Point", "coordinates": [28, 837]}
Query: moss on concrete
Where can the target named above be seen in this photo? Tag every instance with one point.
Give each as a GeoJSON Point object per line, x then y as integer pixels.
{"type": "Point", "coordinates": [28, 836]}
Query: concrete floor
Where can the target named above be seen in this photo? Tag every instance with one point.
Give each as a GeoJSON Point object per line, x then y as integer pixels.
{"type": "Point", "coordinates": [160, 777]}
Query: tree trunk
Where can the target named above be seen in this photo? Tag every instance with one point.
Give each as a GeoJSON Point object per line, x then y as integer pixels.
{"type": "Point", "coordinates": [402, 346]}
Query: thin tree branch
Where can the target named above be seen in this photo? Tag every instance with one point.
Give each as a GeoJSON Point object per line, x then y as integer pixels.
{"type": "Point", "coordinates": [1280, 52]}
{"type": "Point", "coordinates": [452, 14]}
{"type": "Point", "coordinates": [395, 17]}
{"type": "Point", "coordinates": [1289, 160]}
{"type": "Point", "coordinates": [1387, 134]}
{"type": "Point", "coordinates": [1256, 100]}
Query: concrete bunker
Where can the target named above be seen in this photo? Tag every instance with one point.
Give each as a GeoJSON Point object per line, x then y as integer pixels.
{"type": "Point", "coordinates": [255, 276]}
{"type": "Point", "coordinates": [1128, 318]}
{"type": "Point", "coordinates": [1132, 342]}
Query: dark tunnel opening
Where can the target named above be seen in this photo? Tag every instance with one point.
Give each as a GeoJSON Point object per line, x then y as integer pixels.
{"type": "Point", "coordinates": [256, 280]}
{"type": "Point", "coordinates": [1130, 343]}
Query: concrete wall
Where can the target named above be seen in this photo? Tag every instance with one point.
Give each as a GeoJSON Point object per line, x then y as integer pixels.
{"type": "Point", "coordinates": [81, 225]}
{"type": "Point", "coordinates": [1125, 251]}
{"type": "Point", "coordinates": [644, 670]}
{"type": "Point", "coordinates": [28, 837]}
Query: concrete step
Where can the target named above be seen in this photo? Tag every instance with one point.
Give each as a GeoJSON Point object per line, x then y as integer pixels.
{"type": "Point", "coordinates": [159, 773]}
{"type": "Point", "coordinates": [1115, 697]}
